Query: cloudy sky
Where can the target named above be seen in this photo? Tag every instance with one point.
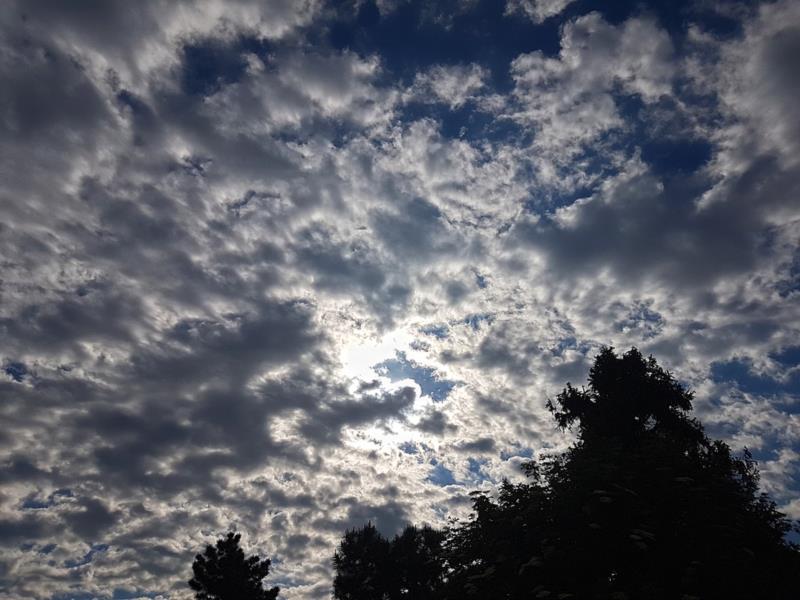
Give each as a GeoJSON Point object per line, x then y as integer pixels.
{"type": "Point", "coordinates": [288, 266]}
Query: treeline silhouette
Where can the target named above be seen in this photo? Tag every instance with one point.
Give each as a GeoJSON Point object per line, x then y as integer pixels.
{"type": "Point", "coordinates": [642, 506]}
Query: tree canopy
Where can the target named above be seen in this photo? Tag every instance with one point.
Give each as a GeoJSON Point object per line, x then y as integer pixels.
{"type": "Point", "coordinates": [642, 505]}
{"type": "Point", "coordinates": [370, 567]}
{"type": "Point", "coordinates": [223, 573]}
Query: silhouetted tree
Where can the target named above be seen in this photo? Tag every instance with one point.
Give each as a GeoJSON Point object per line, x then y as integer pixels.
{"type": "Point", "coordinates": [362, 565]}
{"type": "Point", "coordinates": [370, 567]}
{"type": "Point", "coordinates": [416, 564]}
{"type": "Point", "coordinates": [223, 573]}
{"type": "Point", "coordinates": [643, 505]}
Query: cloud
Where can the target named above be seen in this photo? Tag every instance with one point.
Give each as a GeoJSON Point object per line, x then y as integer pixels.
{"type": "Point", "coordinates": [450, 85]}
{"type": "Point", "coordinates": [251, 280]}
{"type": "Point", "coordinates": [537, 10]}
{"type": "Point", "coordinates": [570, 100]}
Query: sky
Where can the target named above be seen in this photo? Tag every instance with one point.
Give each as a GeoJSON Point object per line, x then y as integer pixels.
{"type": "Point", "coordinates": [288, 266]}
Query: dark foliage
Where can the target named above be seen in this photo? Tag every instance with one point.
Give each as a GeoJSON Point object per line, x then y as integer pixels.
{"type": "Point", "coordinates": [643, 505]}
{"type": "Point", "coordinates": [223, 573]}
{"type": "Point", "coordinates": [370, 567]}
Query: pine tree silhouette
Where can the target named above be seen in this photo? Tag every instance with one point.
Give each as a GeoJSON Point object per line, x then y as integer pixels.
{"type": "Point", "coordinates": [223, 573]}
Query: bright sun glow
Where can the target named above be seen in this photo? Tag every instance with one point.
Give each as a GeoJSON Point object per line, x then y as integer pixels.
{"type": "Point", "coordinates": [360, 355]}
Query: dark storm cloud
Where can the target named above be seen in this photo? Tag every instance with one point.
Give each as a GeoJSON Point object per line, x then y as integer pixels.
{"type": "Point", "coordinates": [339, 265]}
{"type": "Point", "coordinates": [417, 230]}
{"type": "Point", "coordinates": [348, 267]}
{"type": "Point", "coordinates": [324, 425]}
{"type": "Point", "coordinates": [53, 114]}
{"type": "Point", "coordinates": [436, 423]}
{"type": "Point", "coordinates": [502, 349]}
{"type": "Point", "coordinates": [663, 233]}
{"type": "Point", "coordinates": [232, 349]}
{"type": "Point", "coordinates": [26, 528]}
{"type": "Point", "coordinates": [91, 520]}
{"type": "Point", "coordinates": [100, 314]}
{"type": "Point", "coordinates": [389, 517]}
{"type": "Point", "coordinates": [479, 445]}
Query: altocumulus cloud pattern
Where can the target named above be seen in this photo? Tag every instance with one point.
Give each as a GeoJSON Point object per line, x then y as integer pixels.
{"type": "Point", "coordinates": [289, 266]}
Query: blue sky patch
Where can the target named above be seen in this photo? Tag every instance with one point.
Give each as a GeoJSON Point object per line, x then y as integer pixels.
{"type": "Point", "coordinates": [401, 368]}
{"type": "Point", "coordinates": [36, 504]}
{"type": "Point", "coordinates": [484, 35]}
{"type": "Point", "coordinates": [33, 502]}
{"type": "Point", "coordinates": [123, 594]}
{"type": "Point", "coordinates": [642, 318]}
{"type": "Point", "coordinates": [789, 357]}
{"type": "Point", "coordinates": [741, 374]}
{"type": "Point", "coordinates": [441, 475]}
{"type": "Point", "coordinates": [409, 448]}
{"type": "Point", "coordinates": [670, 156]}
{"type": "Point", "coordinates": [476, 320]}
{"type": "Point", "coordinates": [440, 332]}
{"type": "Point", "coordinates": [87, 558]}
{"type": "Point", "coordinates": [475, 468]}
{"type": "Point", "coordinates": [208, 66]}
{"type": "Point", "coordinates": [16, 370]}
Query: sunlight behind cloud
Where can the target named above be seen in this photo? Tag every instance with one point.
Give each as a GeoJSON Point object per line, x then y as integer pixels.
{"type": "Point", "coordinates": [359, 356]}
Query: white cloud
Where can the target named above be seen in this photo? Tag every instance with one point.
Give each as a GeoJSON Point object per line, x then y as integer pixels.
{"type": "Point", "coordinates": [569, 100]}
{"type": "Point", "coordinates": [537, 10]}
{"type": "Point", "coordinates": [451, 85]}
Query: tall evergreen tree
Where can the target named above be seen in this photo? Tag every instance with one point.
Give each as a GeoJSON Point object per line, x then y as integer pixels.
{"type": "Point", "coordinates": [223, 573]}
